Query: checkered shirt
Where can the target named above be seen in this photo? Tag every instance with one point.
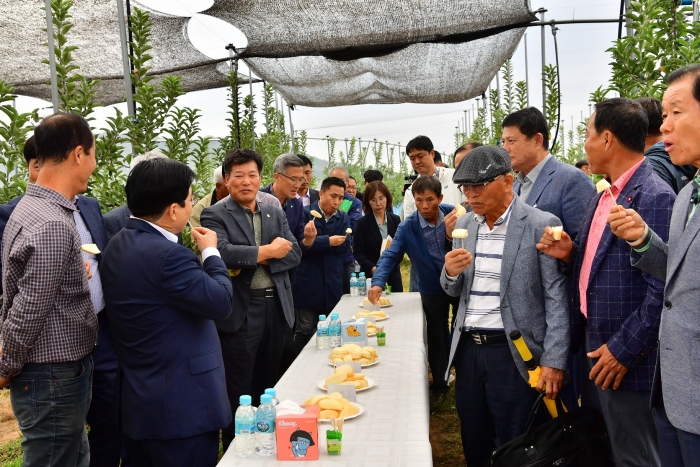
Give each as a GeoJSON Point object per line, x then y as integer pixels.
{"type": "Point", "coordinates": [47, 315]}
{"type": "Point", "coordinates": [435, 236]}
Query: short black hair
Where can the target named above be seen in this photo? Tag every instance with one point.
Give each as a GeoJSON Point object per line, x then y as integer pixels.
{"type": "Point", "coordinates": [155, 184]}
{"type": "Point", "coordinates": [625, 119]}
{"type": "Point", "coordinates": [427, 183]}
{"type": "Point", "coordinates": [241, 156]}
{"type": "Point", "coordinates": [305, 160]}
{"type": "Point", "coordinates": [464, 147]}
{"type": "Point", "coordinates": [332, 181]}
{"type": "Point", "coordinates": [692, 70]}
{"type": "Point", "coordinates": [373, 176]}
{"type": "Point", "coordinates": [29, 150]}
{"type": "Point", "coordinates": [59, 134]}
{"type": "Point", "coordinates": [529, 121]}
{"type": "Point", "coordinates": [653, 109]}
{"type": "Point", "coordinates": [581, 163]}
{"type": "Point", "coordinates": [437, 157]}
{"type": "Point", "coordinates": [419, 143]}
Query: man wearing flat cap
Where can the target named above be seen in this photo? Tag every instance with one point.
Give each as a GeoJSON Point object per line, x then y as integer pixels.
{"type": "Point", "coordinates": [504, 283]}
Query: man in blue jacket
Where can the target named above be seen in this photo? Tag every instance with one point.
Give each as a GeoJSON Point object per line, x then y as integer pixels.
{"type": "Point", "coordinates": [318, 280]}
{"type": "Point", "coordinates": [618, 307]}
{"type": "Point", "coordinates": [171, 395]}
{"type": "Point", "coordinates": [426, 235]}
{"type": "Point", "coordinates": [353, 207]}
{"type": "Point", "coordinates": [288, 177]}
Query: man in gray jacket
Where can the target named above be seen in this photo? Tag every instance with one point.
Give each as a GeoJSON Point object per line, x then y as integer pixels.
{"type": "Point", "coordinates": [497, 298]}
{"type": "Point", "coordinates": [674, 396]}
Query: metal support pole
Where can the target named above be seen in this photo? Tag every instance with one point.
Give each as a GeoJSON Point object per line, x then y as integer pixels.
{"type": "Point", "coordinates": [233, 68]}
{"type": "Point", "coordinates": [52, 56]}
{"type": "Point", "coordinates": [14, 101]}
{"type": "Point", "coordinates": [527, 75]}
{"type": "Point", "coordinates": [498, 90]}
{"type": "Point", "coordinates": [544, 62]}
{"type": "Point", "coordinates": [126, 61]}
{"type": "Point", "coordinates": [696, 11]}
{"type": "Point", "coordinates": [252, 110]}
{"type": "Point", "coordinates": [291, 127]}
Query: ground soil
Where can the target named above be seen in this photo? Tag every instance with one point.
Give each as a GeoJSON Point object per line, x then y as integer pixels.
{"type": "Point", "coordinates": [9, 430]}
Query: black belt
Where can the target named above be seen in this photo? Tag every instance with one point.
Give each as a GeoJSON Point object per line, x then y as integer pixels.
{"type": "Point", "coordinates": [485, 339]}
{"type": "Point", "coordinates": [267, 293]}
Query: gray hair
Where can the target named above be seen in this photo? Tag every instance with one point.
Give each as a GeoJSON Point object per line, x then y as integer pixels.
{"type": "Point", "coordinates": [284, 162]}
{"type": "Point", "coordinates": [343, 169]}
{"type": "Point", "coordinates": [155, 154]}
{"type": "Point", "coordinates": [219, 175]}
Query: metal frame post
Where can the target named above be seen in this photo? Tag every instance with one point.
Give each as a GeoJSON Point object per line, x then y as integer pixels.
{"type": "Point", "coordinates": [291, 127]}
{"type": "Point", "coordinates": [52, 56]}
{"type": "Point", "coordinates": [527, 75]}
{"type": "Point", "coordinates": [544, 61]}
{"type": "Point", "coordinates": [252, 110]}
{"type": "Point", "coordinates": [126, 61]}
{"type": "Point", "coordinates": [696, 11]}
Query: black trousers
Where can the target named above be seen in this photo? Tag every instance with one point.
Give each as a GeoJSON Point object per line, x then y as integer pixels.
{"type": "Point", "coordinates": [437, 313]}
{"type": "Point", "coordinates": [491, 396]}
{"type": "Point", "coordinates": [194, 451]}
{"type": "Point", "coordinates": [105, 437]}
{"type": "Point", "coordinates": [252, 355]}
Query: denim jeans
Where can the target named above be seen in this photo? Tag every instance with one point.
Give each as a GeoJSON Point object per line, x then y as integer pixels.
{"type": "Point", "coordinates": [50, 402]}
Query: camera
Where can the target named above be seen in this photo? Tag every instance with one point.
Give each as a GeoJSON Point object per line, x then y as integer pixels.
{"type": "Point", "coordinates": [409, 181]}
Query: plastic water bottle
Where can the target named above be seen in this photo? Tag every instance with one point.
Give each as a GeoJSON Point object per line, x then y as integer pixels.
{"type": "Point", "coordinates": [353, 285]}
{"type": "Point", "coordinates": [322, 333]}
{"type": "Point", "coordinates": [273, 393]}
{"type": "Point", "coordinates": [334, 331]}
{"type": "Point", "coordinates": [368, 285]}
{"type": "Point", "coordinates": [265, 443]}
{"type": "Point", "coordinates": [245, 428]}
{"type": "Point", "coordinates": [362, 285]}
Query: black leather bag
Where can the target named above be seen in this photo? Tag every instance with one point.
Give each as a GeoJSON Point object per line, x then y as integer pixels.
{"type": "Point", "coordinates": [577, 438]}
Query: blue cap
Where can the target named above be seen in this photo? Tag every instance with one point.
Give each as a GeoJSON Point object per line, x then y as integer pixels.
{"type": "Point", "coordinates": [271, 391]}
{"type": "Point", "coordinates": [321, 317]}
{"type": "Point", "coordinates": [245, 400]}
{"type": "Point", "coordinates": [265, 399]}
{"type": "Point", "coordinates": [362, 274]}
{"type": "Point", "coordinates": [334, 315]}
{"type": "Point", "coordinates": [353, 275]}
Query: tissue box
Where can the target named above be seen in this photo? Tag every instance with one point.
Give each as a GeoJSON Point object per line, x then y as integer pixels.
{"type": "Point", "coordinates": [297, 435]}
{"type": "Point", "coordinates": [354, 331]}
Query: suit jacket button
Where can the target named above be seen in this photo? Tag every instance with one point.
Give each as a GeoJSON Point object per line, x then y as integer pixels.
{"type": "Point", "coordinates": [667, 304]}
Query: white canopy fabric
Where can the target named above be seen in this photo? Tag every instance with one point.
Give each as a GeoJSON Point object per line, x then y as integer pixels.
{"type": "Point", "coordinates": [315, 52]}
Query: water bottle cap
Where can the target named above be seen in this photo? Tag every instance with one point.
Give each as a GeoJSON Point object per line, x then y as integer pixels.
{"type": "Point", "coordinates": [271, 391]}
{"type": "Point", "coordinates": [334, 316]}
{"type": "Point", "coordinates": [245, 400]}
{"type": "Point", "coordinates": [321, 317]}
{"type": "Point", "coordinates": [353, 275]}
{"type": "Point", "coordinates": [265, 399]}
{"type": "Point", "coordinates": [362, 274]}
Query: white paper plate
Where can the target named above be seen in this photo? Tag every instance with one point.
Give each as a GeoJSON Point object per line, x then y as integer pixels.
{"type": "Point", "coordinates": [361, 366]}
{"type": "Point", "coordinates": [376, 319]}
{"type": "Point", "coordinates": [370, 384]}
{"type": "Point", "coordinates": [362, 305]}
{"type": "Point", "coordinates": [362, 410]}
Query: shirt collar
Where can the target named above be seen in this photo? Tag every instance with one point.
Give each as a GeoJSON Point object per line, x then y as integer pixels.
{"type": "Point", "coordinates": [47, 193]}
{"type": "Point", "coordinates": [535, 172]}
{"type": "Point", "coordinates": [505, 217]}
{"type": "Point", "coordinates": [246, 209]}
{"type": "Point", "coordinates": [621, 182]}
{"type": "Point", "coordinates": [425, 224]}
{"type": "Point", "coordinates": [375, 218]}
{"type": "Point", "coordinates": [169, 235]}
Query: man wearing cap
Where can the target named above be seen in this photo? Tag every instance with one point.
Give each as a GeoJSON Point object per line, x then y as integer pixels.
{"type": "Point", "coordinates": [491, 388]}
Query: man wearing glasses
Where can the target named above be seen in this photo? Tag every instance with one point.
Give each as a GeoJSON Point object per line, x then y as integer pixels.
{"type": "Point", "coordinates": [289, 176]}
{"type": "Point", "coordinates": [543, 182]}
{"type": "Point", "coordinates": [503, 283]}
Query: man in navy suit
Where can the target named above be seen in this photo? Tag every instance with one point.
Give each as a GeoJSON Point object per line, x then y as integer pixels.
{"type": "Point", "coordinates": [306, 194]}
{"type": "Point", "coordinates": [619, 305]}
{"type": "Point", "coordinates": [288, 177]}
{"type": "Point", "coordinates": [171, 390]}
{"type": "Point", "coordinates": [33, 170]}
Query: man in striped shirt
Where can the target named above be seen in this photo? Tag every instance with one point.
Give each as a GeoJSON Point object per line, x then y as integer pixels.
{"type": "Point", "coordinates": [503, 284]}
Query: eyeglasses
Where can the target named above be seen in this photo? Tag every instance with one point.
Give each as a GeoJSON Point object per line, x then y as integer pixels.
{"type": "Point", "coordinates": [379, 200]}
{"type": "Point", "coordinates": [294, 180]}
{"type": "Point", "coordinates": [476, 188]}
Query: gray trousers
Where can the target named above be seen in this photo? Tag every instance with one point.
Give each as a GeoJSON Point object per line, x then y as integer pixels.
{"type": "Point", "coordinates": [628, 418]}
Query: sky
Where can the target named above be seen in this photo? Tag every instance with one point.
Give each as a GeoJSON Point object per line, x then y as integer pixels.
{"type": "Point", "coordinates": [583, 60]}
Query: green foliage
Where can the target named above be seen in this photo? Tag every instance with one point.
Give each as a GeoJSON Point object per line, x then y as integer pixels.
{"type": "Point", "coordinates": [521, 94]}
{"type": "Point", "coordinates": [14, 127]}
{"type": "Point", "coordinates": [664, 39]}
{"type": "Point", "coordinates": [551, 108]}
